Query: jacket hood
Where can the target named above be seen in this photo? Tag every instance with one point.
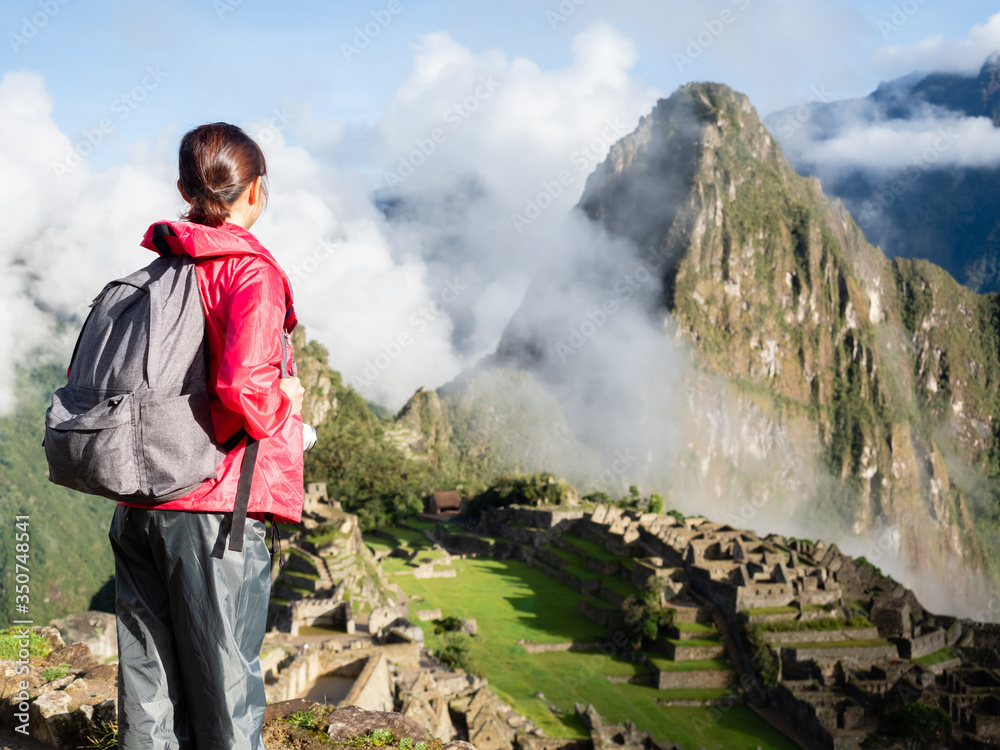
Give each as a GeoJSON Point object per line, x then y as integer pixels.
{"type": "Point", "coordinates": [202, 242]}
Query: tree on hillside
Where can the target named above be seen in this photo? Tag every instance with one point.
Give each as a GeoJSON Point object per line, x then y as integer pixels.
{"type": "Point", "coordinates": [645, 617]}
{"type": "Point", "coordinates": [913, 727]}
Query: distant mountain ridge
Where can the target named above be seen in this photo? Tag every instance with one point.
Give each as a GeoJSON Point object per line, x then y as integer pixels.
{"type": "Point", "coordinates": [944, 213]}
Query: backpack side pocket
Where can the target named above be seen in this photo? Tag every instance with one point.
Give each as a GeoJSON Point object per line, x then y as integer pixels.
{"type": "Point", "coordinates": [90, 442]}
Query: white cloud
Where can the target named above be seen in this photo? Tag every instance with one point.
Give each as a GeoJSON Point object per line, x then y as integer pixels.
{"type": "Point", "coordinates": [63, 232]}
{"type": "Point", "coordinates": [450, 280]}
{"type": "Point", "coordinates": [937, 54]}
{"type": "Point", "coordinates": [942, 141]}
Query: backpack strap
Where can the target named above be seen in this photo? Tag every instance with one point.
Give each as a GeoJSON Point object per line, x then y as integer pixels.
{"type": "Point", "coordinates": [230, 445]}
{"type": "Point", "coordinates": [275, 539]}
{"type": "Point", "coordinates": [243, 494]}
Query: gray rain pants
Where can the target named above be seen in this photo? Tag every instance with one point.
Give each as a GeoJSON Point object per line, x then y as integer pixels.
{"type": "Point", "coordinates": [191, 618]}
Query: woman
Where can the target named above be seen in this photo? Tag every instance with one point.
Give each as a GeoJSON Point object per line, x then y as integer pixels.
{"type": "Point", "coordinates": [191, 610]}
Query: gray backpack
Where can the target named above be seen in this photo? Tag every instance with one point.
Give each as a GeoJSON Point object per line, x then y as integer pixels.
{"type": "Point", "coordinates": [133, 422]}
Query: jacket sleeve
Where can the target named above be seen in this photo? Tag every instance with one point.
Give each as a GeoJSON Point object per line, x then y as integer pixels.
{"type": "Point", "coordinates": [249, 373]}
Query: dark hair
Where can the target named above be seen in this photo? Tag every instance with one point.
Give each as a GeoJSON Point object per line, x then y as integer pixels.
{"type": "Point", "coordinates": [216, 163]}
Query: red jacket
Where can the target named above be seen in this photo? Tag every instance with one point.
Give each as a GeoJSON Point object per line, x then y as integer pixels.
{"type": "Point", "coordinates": [248, 311]}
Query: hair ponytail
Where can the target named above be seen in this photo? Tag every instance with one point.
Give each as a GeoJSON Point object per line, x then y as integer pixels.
{"type": "Point", "coordinates": [216, 164]}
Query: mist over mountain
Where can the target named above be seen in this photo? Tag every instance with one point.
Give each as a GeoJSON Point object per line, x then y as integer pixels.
{"type": "Point", "coordinates": [727, 336]}
{"type": "Point", "coordinates": [917, 162]}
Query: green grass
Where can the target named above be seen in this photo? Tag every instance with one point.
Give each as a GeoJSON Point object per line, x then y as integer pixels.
{"type": "Point", "coordinates": [771, 610]}
{"type": "Point", "coordinates": [695, 627]}
{"type": "Point", "coordinates": [572, 558]}
{"type": "Point", "coordinates": [562, 661]}
{"type": "Point", "coordinates": [302, 574]}
{"type": "Point", "coordinates": [692, 694]}
{"type": "Point", "coordinates": [593, 550]}
{"type": "Point", "coordinates": [695, 665]}
{"type": "Point", "coordinates": [865, 643]}
{"type": "Point", "coordinates": [416, 523]}
{"type": "Point", "coordinates": [824, 623]}
{"type": "Point", "coordinates": [397, 565]}
{"type": "Point", "coordinates": [412, 536]}
{"type": "Point", "coordinates": [511, 600]}
{"type": "Point", "coordinates": [583, 572]}
{"type": "Point", "coordinates": [601, 603]}
{"type": "Point", "coordinates": [54, 673]}
{"type": "Point", "coordinates": [937, 657]}
{"type": "Point", "coordinates": [10, 644]}
{"type": "Point", "coordinates": [377, 545]}
{"type": "Point", "coordinates": [620, 585]}
{"type": "Point", "coordinates": [700, 642]}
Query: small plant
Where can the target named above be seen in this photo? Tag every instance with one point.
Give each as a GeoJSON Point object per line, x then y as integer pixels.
{"type": "Point", "coordinates": [11, 643]}
{"type": "Point", "coordinates": [864, 561]}
{"type": "Point", "coordinates": [762, 656]}
{"type": "Point", "coordinates": [382, 737]}
{"type": "Point", "coordinates": [455, 653]}
{"type": "Point", "coordinates": [103, 736]}
{"type": "Point", "coordinates": [406, 743]}
{"type": "Point", "coordinates": [54, 673]}
{"type": "Point", "coordinates": [309, 720]}
{"type": "Point", "coordinates": [447, 624]}
{"type": "Point", "coordinates": [377, 738]}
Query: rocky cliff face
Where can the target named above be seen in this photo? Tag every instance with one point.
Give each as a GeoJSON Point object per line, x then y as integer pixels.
{"type": "Point", "coordinates": [833, 386]}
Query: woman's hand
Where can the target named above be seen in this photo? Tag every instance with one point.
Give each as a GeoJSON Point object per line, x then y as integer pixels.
{"type": "Point", "coordinates": [294, 390]}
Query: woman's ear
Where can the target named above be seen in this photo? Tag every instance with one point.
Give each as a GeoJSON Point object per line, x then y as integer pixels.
{"type": "Point", "coordinates": [254, 196]}
{"type": "Point", "coordinates": [183, 194]}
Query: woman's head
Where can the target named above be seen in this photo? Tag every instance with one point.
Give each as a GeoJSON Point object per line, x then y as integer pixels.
{"type": "Point", "coordinates": [217, 165]}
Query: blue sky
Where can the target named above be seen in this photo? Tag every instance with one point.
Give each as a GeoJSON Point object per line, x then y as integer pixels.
{"type": "Point", "coordinates": [241, 59]}
{"type": "Point", "coordinates": [95, 94]}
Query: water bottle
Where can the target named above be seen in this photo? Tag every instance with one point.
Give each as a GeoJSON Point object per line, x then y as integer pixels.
{"type": "Point", "coordinates": [308, 437]}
